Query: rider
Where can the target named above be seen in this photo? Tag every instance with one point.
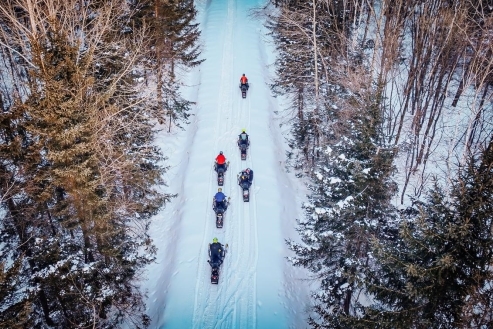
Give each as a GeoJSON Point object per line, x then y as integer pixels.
{"type": "Point", "coordinates": [244, 81]}
{"type": "Point", "coordinates": [243, 138]}
{"type": "Point", "coordinates": [216, 253]}
{"type": "Point", "coordinates": [219, 200]}
{"type": "Point", "coordinates": [220, 162]}
{"type": "Point", "coordinates": [243, 178]}
{"type": "Point", "coordinates": [249, 172]}
{"type": "Point", "coordinates": [246, 176]}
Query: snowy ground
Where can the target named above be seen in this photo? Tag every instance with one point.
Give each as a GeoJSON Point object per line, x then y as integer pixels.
{"type": "Point", "coordinates": [257, 287]}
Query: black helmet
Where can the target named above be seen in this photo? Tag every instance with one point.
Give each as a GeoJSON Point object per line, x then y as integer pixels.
{"type": "Point", "coordinates": [243, 74]}
{"type": "Point", "coordinates": [220, 152]}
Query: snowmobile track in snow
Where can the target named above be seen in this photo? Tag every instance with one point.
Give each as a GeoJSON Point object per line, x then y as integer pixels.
{"type": "Point", "coordinates": [225, 305]}
{"type": "Point", "coordinates": [256, 288]}
{"type": "Point", "coordinates": [232, 303]}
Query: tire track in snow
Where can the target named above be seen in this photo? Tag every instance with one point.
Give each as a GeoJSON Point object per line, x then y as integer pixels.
{"type": "Point", "coordinates": [237, 298]}
{"type": "Point", "coordinates": [206, 306]}
{"type": "Point", "coordinates": [241, 292]}
{"type": "Point", "coordinates": [253, 200]}
{"type": "Point", "coordinates": [249, 315]}
{"type": "Point", "coordinates": [231, 304]}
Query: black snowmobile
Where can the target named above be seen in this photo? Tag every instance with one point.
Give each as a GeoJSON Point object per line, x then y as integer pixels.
{"type": "Point", "coordinates": [217, 252]}
{"type": "Point", "coordinates": [220, 210]}
{"type": "Point", "coordinates": [243, 150]}
{"type": "Point", "coordinates": [220, 176]}
{"type": "Point", "coordinates": [245, 183]}
{"type": "Point", "coordinates": [244, 89]}
{"type": "Point", "coordinates": [245, 186]}
{"type": "Point", "coordinates": [220, 173]}
{"type": "Point", "coordinates": [215, 275]}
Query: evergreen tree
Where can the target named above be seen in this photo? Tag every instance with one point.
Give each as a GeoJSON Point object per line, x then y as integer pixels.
{"type": "Point", "coordinates": [350, 202]}
{"type": "Point", "coordinates": [436, 272]}
{"type": "Point", "coordinates": [78, 169]}
{"type": "Point", "coordinates": [179, 33]}
{"type": "Point", "coordinates": [15, 311]}
{"type": "Point", "coordinates": [309, 36]}
{"type": "Point", "coordinates": [174, 37]}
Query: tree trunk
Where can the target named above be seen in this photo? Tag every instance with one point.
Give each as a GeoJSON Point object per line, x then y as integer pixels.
{"type": "Point", "coordinates": [24, 247]}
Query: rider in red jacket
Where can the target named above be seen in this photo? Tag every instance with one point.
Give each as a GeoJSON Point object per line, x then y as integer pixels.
{"type": "Point", "coordinates": [220, 161]}
{"type": "Point", "coordinates": [244, 81]}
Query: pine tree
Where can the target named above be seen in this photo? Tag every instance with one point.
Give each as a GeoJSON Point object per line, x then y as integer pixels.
{"type": "Point", "coordinates": [78, 169]}
{"type": "Point", "coordinates": [350, 203]}
{"type": "Point", "coordinates": [16, 307]}
{"type": "Point", "coordinates": [175, 40]}
{"type": "Point", "coordinates": [436, 273]}
{"type": "Point", "coordinates": [310, 40]}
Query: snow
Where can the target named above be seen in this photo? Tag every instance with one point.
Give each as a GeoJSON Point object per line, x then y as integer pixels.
{"type": "Point", "coordinates": [341, 204]}
{"type": "Point", "coordinates": [258, 288]}
{"type": "Point", "coordinates": [334, 180]}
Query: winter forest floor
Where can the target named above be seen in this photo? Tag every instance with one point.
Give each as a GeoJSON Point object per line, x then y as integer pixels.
{"type": "Point", "coordinates": [258, 288]}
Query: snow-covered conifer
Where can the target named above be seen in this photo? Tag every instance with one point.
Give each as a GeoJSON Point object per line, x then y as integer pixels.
{"type": "Point", "coordinates": [79, 170]}
{"type": "Point", "coordinates": [436, 272]}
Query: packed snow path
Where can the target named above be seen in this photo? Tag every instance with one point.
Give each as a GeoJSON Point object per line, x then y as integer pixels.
{"type": "Point", "coordinates": [256, 288]}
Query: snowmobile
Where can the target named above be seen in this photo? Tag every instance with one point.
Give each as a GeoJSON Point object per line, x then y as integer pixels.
{"type": "Point", "coordinates": [220, 176]}
{"type": "Point", "coordinates": [220, 214]}
{"type": "Point", "coordinates": [220, 173]}
{"type": "Point", "coordinates": [244, 89]}
{"type": "Point", "coordinates": [243, 150]}
{"type": "Point", "coordinates": [245, 186]}
{"type": "Point", "coordinates": [215, 266]}
{"type": "Point", "coordinates": [215, 275]}
{"type": "Point", "coordinates": [219, 217]}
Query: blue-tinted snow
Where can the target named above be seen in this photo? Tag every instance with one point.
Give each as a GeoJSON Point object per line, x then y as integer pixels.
{"type": "Point", "coordinates": [258, 288]}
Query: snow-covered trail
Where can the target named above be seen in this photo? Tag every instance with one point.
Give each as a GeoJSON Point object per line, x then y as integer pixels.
{"type": "Point", "coordinates": [222, 306]}
{"type": "Point", "coordinates": [256, 288]}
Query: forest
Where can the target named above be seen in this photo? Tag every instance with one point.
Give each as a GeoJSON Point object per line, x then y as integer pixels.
{"type": "Point", "coordinates": [82, 86]}
{"type": "Point", "coordinates": [390, 116]}
{"type": "Point", "coordinates": [390, 104]}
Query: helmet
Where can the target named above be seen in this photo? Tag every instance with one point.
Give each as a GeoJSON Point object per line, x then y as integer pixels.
{"type": "Point", "coordinates": [243, 74]}
{"type": "Point", "coordinates": [221, 152]}
{"type": "Point", "coordinates": [219, 189]}
{"type": "Point", "coordinates": [214, 240]}
{"type": "Point", "coordinates": [243, 130]}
